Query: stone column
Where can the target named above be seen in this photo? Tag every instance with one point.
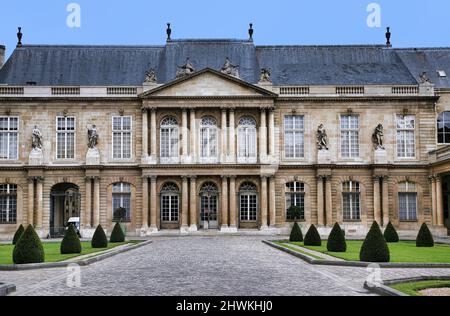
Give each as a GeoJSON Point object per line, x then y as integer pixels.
{"type": "Point", "coordinates": [433, 200]}
{"type": "Point", "coordinates": [385, 191]}
{"type": "Point", "coordinates": [153, 204]}
{"type": "Point", "coordinates": [88, 206]}
{"type": "Point", "coordinates": [185, 136]}
{"type": "Point", "coordinates": [40, 201]}
{"type": "Point", "coordinates": [232, 137]}
{"type": "Point", "coordinates": [224, 142]}
{"type": "Point", "coordinates": [224, 202]}
{"type": "Point", "coordinates": [193, 205]}
{"type": "Point", "coordinates": [263, 137]}
{"type": "Point", "coordinates": [184, 203]}
{"type": "Point", "coordinates": [144, 133]}
{"type": "Point", "coordinates": [439, 202]}
{"type": "Point", "coordinates": [329, 202]}
{"type": "Point", "coordinates": [272, 133]}
{"type": "Point", "coordinates": [233, 204]}
{"type": "Point", "coordinates": [30, 201]}
{"type": "Point", "coordinates": [145, 204]}
{"type": "Point", "coordinates": [96, 201]}
{"type": "Point", "coordinates": [264, 206]}
{"type": "Point", "coordinates": [272, 203]}
{"type": "Point", "coordinates": [320, 200]}
{"type": "Point", "coordinates": [153, 135]}
{"type": "Point", "coordinates": [193, 137]}
{"type": "Point", "coordinates": [376, 200]}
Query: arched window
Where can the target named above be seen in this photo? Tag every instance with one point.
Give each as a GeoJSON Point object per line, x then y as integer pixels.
{"type": "Point", "coordinates": [121, 198]}
{"type": "Point", "coordinates": [248, 202]}
{"type": "Point", "coordinates": [295, 196]}
{"type": "Point", "coordinates": [169, 140]}
{"type": "Point", "coordinates": [247, 140]}
{"type": "Point", "coordinates": [443, 128]}
{"type": "Point", "coordinates": [170, 203]}
{"type": "Point", "coordinates": [407, 201]}
{"type": "Point", "coordinates": [8, 203]}
{"type": "Point", "coordinates": [208, 139]}
{"type": "Point", "coordinates": [351, 197]}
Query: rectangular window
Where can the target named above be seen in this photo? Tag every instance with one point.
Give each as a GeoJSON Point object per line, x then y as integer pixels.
{"type": "Point", "coordinates": [9, 138]}
{"type": "Point", "coordinates": [408, 206]}
{"type": "Point", "coordinates": [122, 137]}
{"type": "Point", "coordinates": [65, 137]}
{"type": "Point", "coordinates": [294, 136]}
{"type": "Point", "coordinates": [8, 203]}
{"type": "Point", "coordinates": [122, 198]}
{"type": "Point", "coordinates": [248, 207]}
{"type": "Point", "coordinates": [351, 201]}
{"type": "Point", "coordinates": [406, 147]}
{"type": "Point", "coordinates": [349, 136]}
{"type": "Point", "coordinates": [170, 208]}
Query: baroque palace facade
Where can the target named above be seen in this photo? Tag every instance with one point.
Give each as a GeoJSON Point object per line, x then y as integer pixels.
{"type": "Point", "coordinates": [224, 135]}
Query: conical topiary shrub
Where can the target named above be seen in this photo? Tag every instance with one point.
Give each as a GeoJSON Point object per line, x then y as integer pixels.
{"type": "Point", "coordinates": [375, 248]}
{"type": "Point", "coordinates": [296, 234]}
{"type": "Point", "coordinates": [312, 237]}
{"type": "Point", "coordinates": [424, 238]}
{"type": "Point", "coordinates": [18, 234]}
{"type": "Point", "coordinates": [28, 248]}
{"type": "Point", "coordinates": [99, 239]}
{"type": "Point", "coordinates": [336, 240]}
{"type": "Point", "coordinates": [117, 234]}
{"type": "Point", "coordinates": [71, 243]}
{"type": "Point", "coordinates": [390, 234]}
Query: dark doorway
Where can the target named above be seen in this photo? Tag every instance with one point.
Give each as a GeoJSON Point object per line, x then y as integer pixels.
{"type": "Point", "coordinates": [446, 194]}
{"type": "Point", "coordinates": [65, 203]}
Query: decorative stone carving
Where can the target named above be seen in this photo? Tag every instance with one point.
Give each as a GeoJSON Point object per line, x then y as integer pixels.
{"type": "Point", "coordinates": [322, 138]}
{"type": "Point", "coordinates": [424, 79]}
{"type": "Point", "coordinates": [230, 69]}
{"type": "Point", "coordinates": [150, 76]}
{"type": "Point", "coordinates": [92, 137]}
{"type": "Point", "coordinates": [378, 138]}
{"type": "Point", "coordinates": [93, 154]}
{"type": "Point", "coordinates": [265, 76]}
{"type": "Point", "coordinates": [36, 157]}
{"type": "Point", "coordinates": [36, 141]}
{"type": "Point", "coordinates": [185, 70]}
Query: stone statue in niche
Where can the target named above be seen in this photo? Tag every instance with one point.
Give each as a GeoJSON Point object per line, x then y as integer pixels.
{"type": "Point", "coordinates": [150, 76]}
{"type": "Point", "coordinates": [36, 141]}
{"type": "Point", "coordinates": [265, 75]}
{"type": "Point", "coordinates": [230, 69]}
{"type": "Point", "coordinates": [378, 138]}
{"type": "Point", "coordinates": [185, 70]}
{"type": "Point", "coordinates": [92, 137]}
{"type": "Point", "coordinates": [322, 138]}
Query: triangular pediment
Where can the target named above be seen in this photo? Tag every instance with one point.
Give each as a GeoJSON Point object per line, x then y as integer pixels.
{"type": "Point", "coordinates": [208, 83]}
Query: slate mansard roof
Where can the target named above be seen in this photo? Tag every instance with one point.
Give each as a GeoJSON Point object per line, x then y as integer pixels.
{"type": "Point", "coordinates": [290, 65]}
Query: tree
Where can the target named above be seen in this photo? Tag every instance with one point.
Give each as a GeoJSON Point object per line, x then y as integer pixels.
{"type": "Point", "coordinates": [375, 248]}
{"type": "Point", "coordinates": [336, 240]}
{"type": "Point", "coordinates": [424, 238]}
{"type": "Point", "coordinates": [29, 248]}
{"type": "Point", "coordinates": [18, 234]}
{"type": "Point", "coordinates": [117, 234]}
{"type": "Point", "coordinates": [99, 240]}
{"type": "Point", "coordinates": [312, 237]}
{"type": "Point", "coordinates": [119, 214]}
{"type": "Point", "coordinates": [295, 212]}
{"type": "Point", "coordinates": [296, 234]}
{"type": "Point", "coordinates": [71, 243]}
{"type": "Point", "coordinates": [390, 234]}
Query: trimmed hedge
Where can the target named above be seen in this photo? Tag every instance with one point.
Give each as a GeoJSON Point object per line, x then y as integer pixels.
{"type": "Point", "coordinates": [390, 234]}
{"type": "Point", "coordinates": [29, 248]}
{"type": "Point", "coordinates": [296, 234]}
{"type": "Point", "coordinates": [18, 234]}
{"type": "Point", "coordinates": [312, 237]}
{"type": "Point", "coordinates": [71, 243]}
{"type": "Point", "coordinates": [336, 240]}
{"type": "Point", "coordinates": [99, 240]}
{"type": "Point", "coordinates": [117, 234]}
{"type": "Point", "coordinates": [375, 248]}
{"type": "Point", "coordinates": [424, 238]}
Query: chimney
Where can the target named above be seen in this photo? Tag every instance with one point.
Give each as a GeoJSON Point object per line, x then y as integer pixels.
{"type": "Point", "coordinates": [2, 55]}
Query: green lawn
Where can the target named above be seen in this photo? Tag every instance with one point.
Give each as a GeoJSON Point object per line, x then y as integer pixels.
{"type": "Point", "coordinates": [413, 288]}
{"type": "Point", "coordinates": [404, 251]}
{"type": "Point", "coordinates": [52, 252]}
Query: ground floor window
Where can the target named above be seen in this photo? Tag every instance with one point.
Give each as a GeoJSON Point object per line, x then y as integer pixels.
{"type": "Point", "coordinates": [407, 200]}
{"type": "Point", "coordinates": [170, 203]}
{"type": "Point", "coordinates": [295, 196]}
{"type": "Point", "coordinates": [122, 200]}
{"type": "Point", "coordinates": [248, 203]}
{"type": "Point", "coordinates": [8, 203]}
{"type": "Point", "coordinates": [351, 197]}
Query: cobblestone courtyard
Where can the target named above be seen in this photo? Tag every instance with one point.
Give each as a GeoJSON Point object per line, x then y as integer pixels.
{"type": "Point", "coordinates": [204, 266]}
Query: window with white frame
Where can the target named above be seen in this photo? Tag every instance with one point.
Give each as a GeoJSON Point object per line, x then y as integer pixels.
{"type": "Point", "coordinates": [406, 147]}
{"type": "Point", "coordinates": [208, 138]}
{"type": "Point", "coordinates": [349, 136]}
{"type": "Point", "coordinates": [247, 139]}
{"type": "Point", "coordinates": [170, 203]}
{"type": "Point", "coordinates": [121, 198]}
{"type": "Point", "coordinates": [248, 202]}
{"type": "Point", "coordinates": [169, 139]}
{"type": "Point", "coordinates": [294, 136]}
{"type": "Point", "coordinates": [8, 203]}
{"type": "Point", "coordinates": [9, 138]}
{"type": "Point", "coordinates": [443, 128]}
{"type": "Point", "coordinates": [295, 196]}
{"type": "Point", "coordinates": [407, 201]}
{"type": "Point", "coordinates": [351, 198]}
{"type": "Point", "coordinates": [65, 137]}
{"type": "Point", "coordinates": [122, 137]}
